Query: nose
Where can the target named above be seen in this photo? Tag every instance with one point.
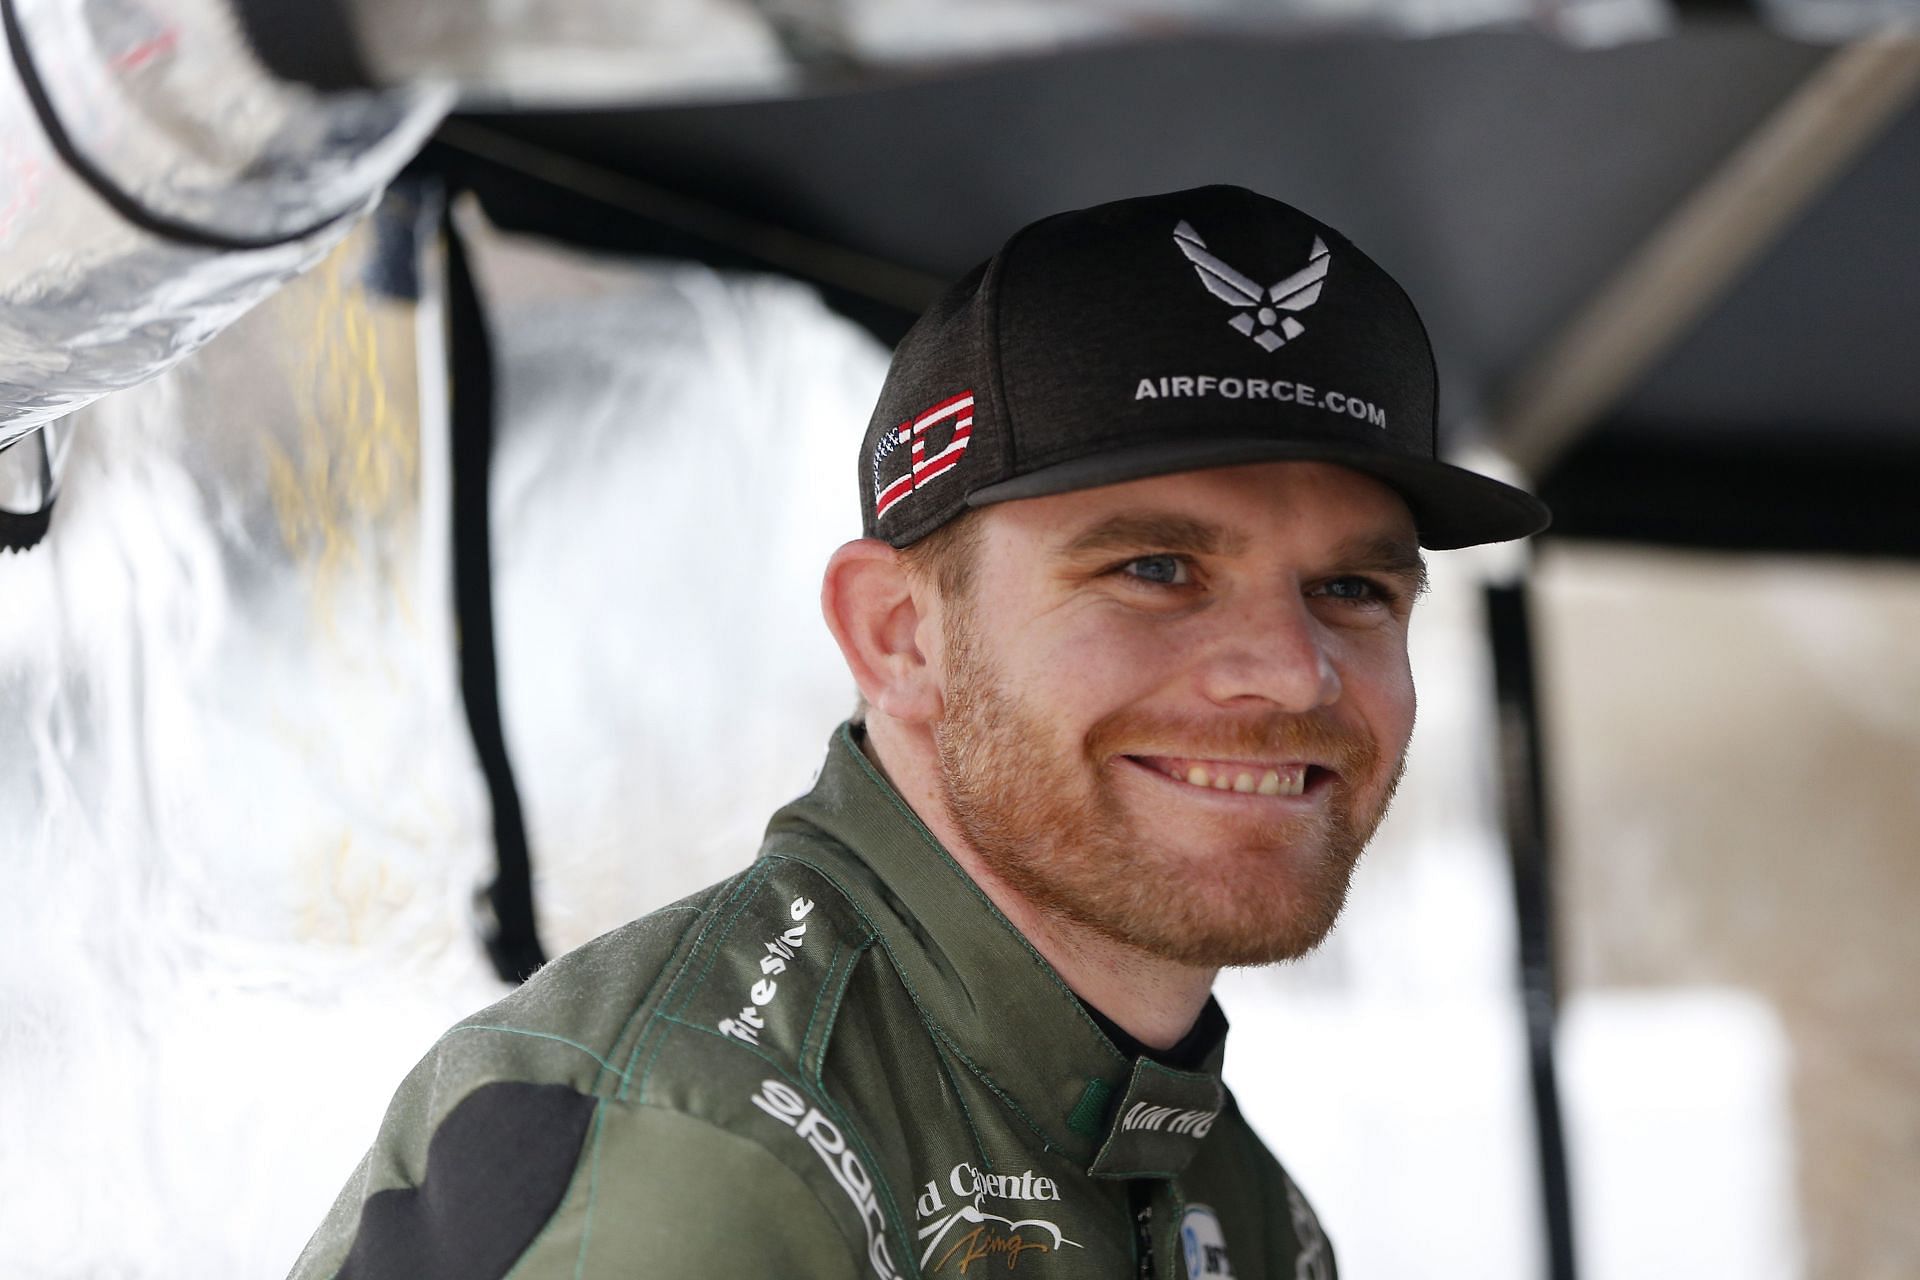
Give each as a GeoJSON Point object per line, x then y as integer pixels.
{"type": "Point", "coordinates": [1273, 650]}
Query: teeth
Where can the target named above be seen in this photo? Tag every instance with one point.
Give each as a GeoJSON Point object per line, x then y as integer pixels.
{"type": "Point", "coordinates": [1270, 783]}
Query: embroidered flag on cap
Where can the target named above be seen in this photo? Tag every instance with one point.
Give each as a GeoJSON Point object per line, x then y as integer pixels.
{"type": "Point", "coordinates": [923, 467]}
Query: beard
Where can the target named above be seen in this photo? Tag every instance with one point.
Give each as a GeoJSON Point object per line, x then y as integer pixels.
{"type": "Point", "coordinates": [1050, 823]}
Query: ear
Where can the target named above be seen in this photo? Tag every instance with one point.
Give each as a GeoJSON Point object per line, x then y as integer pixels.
{"type": "Point", "coordinates": [871, 606]}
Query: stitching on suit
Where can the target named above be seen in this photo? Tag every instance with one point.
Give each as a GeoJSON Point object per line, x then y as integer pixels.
{"type": "Point", "coordinates": [641, 1003]}
{"type": "Point", "coordinates": [919, 1005]}
{"type": "Point", "coordinates": [749, 880]}
{"type": "Point", "coordinates": [593, 1190]}
{"type": "Point", "coordinates": [533, 1035]}
{"type": "Point", "coordinates": [800, 1058]}
{"type": "Point", "coordinates": [833, 1017]}
{"type": "Point", "coordinates": [881, 1187]}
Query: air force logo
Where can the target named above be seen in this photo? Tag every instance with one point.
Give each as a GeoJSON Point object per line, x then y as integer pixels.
{"type": "Point", "coordinates": [1259, 309]}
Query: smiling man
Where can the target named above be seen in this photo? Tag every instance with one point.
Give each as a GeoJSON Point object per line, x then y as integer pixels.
{"type": "Point", "coordinates": [1169, 728]}
{"type": "Point", "coordinates": [1144, 499]}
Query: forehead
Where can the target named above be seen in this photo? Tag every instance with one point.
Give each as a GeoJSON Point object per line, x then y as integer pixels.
{"type": "Point", "coordinates": [1303, 503]}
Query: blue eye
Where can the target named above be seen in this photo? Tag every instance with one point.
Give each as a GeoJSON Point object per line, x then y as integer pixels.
{"type": "Point", "coordinates": [1356, 590]}
{"type": "Point", "coordinates": [1163, 571]}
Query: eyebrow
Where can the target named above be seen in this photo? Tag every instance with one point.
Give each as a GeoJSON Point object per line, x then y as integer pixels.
{"type": "Point", "coordinates": [1159, 530]}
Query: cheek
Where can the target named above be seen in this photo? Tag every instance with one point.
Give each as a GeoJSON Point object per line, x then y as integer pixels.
{"type": "Point", "coordinates": [1384, 691]}
{"type": "Point", "coordinates": [1092, 669]}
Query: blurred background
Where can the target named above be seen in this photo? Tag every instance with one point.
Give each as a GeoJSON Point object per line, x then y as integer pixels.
{"type": "Point", "coordinates": [421, 433]}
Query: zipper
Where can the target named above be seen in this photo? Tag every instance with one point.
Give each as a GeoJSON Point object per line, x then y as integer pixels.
{"type": "Point", "coordinates": [1140, 1198]}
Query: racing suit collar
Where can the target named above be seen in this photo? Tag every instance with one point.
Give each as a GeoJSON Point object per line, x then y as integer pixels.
{"type": "Point", "coordinates": [995, 1004]}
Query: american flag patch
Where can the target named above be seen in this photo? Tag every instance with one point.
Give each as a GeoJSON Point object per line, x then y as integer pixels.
{"type": "Point", "coordinates": [924, 466]}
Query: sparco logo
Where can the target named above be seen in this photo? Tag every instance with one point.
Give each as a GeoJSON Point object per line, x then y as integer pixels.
{"type": "Point", "coordinates": [1260, 308]}
{"type": "Point", "coordinates": [785, 1104]}
{"type": "Point", "coordinates": [1144, 1115]}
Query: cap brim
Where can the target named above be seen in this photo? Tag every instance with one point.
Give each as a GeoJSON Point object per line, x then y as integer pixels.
{"type": "Point", "coordinates": [1452, 507]}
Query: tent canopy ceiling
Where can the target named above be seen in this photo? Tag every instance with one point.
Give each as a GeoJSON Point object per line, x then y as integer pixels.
{"type": "Point", "coordinates": [1504, 177]}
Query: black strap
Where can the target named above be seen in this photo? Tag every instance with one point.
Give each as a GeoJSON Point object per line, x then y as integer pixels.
{"type": "Point", "coordinates": [513, 939]}
{"type": "Point", "coordinates": [23, 530]}
{"type": "Point", "coordinates": [122, 203]}
{"type": "Point", "coordinates": [1523, 775]}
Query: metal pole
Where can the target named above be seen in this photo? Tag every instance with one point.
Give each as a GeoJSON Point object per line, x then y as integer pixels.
{"type": "Point", "coordinates": [1524, 788]}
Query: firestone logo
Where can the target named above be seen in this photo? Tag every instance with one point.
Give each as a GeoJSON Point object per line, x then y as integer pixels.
{"type": "Point", "coordinates": [750, 1022]}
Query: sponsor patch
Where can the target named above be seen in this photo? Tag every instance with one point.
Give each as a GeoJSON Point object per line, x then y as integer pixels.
{"type": "Point", "coordinates": [1192, 1122]}
{"type": "Point", "coordinates": [968, 1234]}
{"type": "Point", "coordinates": [1204, 1245]}
{"type": "Point", "coordinates": [1182, 386]}
{"type": "Point", "coordinates": [786, 1104]}
{"type": "Point", "coordinates": [782, 950]}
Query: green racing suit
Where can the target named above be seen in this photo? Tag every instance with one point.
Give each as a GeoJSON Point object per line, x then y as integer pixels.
{"type": "Point", "coordinates": [842, 1062]}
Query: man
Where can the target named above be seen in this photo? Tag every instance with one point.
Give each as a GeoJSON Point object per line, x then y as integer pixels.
{"type": "Point", "coordinates": [1143, 496]}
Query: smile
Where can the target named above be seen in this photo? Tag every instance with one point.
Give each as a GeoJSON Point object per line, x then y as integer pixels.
{"type": "Point", "coordinates": [1248, 777]}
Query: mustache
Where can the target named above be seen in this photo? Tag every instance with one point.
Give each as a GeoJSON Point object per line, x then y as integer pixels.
{"type": "Point", "coordinates": [1282, 735]}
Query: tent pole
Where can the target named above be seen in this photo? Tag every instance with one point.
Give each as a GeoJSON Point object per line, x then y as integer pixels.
{"type": "Point", "coordinates": [1523, 779]}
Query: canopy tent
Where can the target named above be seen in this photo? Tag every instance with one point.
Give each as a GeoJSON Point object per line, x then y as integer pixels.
{"type": "Point", "coordinates": [1514, 183]}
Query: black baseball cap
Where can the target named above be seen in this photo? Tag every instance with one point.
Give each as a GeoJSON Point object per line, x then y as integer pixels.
{"type": "Point", "coordinates": [1167, 333]}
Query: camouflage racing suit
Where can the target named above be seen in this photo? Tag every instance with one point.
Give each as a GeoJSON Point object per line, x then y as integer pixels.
{"type": "Point", "coordinates": [842, 1062]}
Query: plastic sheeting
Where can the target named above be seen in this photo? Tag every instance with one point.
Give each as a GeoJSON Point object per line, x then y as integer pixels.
{"type": "Point", "coordinates": [155, 183]}
{"type": "Point", "coordinates": [235, 787]}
